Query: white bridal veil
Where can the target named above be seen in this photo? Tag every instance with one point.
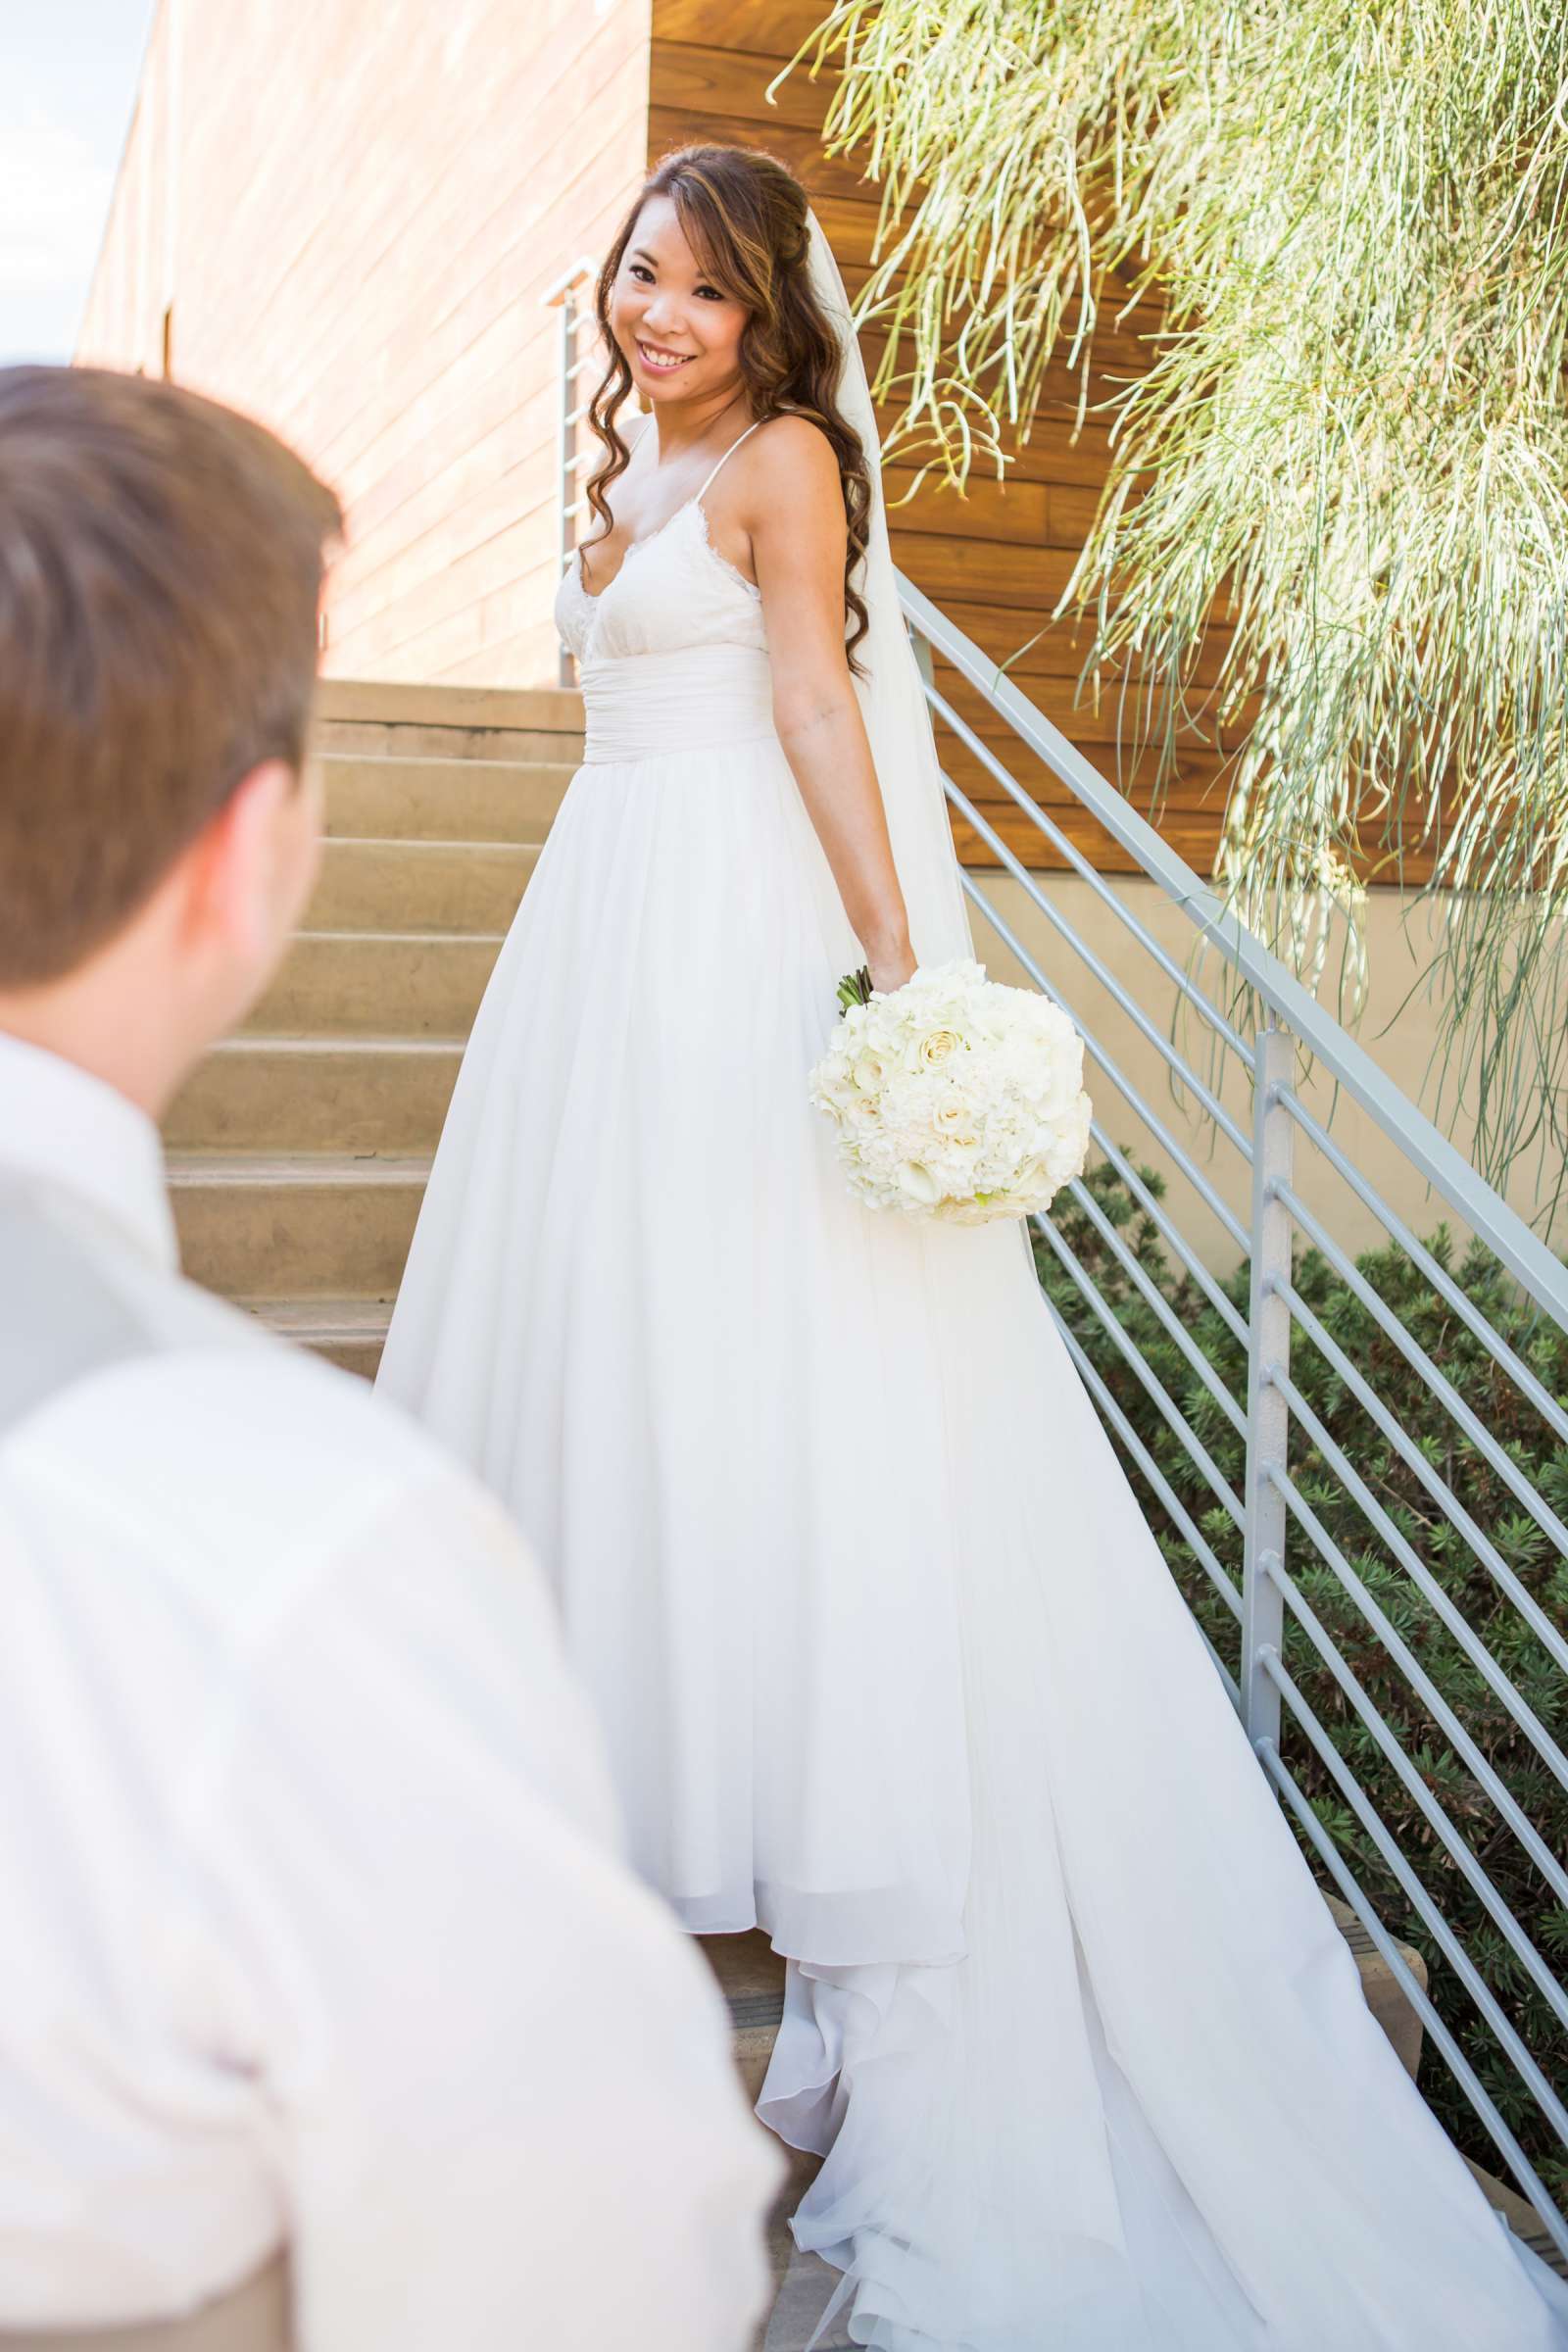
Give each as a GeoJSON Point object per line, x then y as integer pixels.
{"type": "Point", "coordinates": [891, 698]}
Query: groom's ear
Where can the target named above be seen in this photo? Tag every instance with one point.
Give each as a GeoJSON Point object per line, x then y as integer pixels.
{"type": "Point", "coordinates": [246, 876]}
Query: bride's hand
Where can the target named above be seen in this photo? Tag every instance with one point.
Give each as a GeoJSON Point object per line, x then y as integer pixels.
{"type": "Point", "coordinates": [890, 970]}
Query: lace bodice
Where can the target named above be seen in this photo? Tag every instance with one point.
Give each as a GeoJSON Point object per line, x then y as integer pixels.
{"type": "Point", "coordinates": [673, 590]}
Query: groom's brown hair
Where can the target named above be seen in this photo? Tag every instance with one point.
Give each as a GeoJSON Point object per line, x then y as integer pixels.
{"type": "Point", "coordinates": [160, 567]}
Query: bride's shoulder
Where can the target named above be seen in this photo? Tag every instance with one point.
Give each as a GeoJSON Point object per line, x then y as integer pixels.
{"type": "Point", "coordinates": [794, 457]}
{"type": "Point", "coordinates": [792, 433]}
{"type": "Point", "coordinates": [790, 502]}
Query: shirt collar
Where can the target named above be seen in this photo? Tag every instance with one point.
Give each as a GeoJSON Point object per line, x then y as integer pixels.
{"type": "Point", "coordinates": [64, 1129]}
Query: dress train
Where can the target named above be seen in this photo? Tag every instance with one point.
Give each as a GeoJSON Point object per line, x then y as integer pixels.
{"type": "Point", "coordinates": [888, 1660]}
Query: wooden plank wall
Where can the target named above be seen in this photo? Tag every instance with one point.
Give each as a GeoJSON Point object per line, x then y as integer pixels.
{"type": "Point", "coordinates": [371, 201]}
{"type": "Point", "coordinates": [996, 559]}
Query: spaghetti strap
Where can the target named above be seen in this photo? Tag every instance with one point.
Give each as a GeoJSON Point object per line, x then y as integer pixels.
{"type": "Point", "coordinates": [729, 453]}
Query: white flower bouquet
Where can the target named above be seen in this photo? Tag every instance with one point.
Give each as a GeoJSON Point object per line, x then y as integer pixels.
{"type": "Point", "coordinates": [955, 1097]}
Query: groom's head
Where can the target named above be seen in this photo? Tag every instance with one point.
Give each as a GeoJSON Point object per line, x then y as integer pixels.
{"type": "Point", "coordinates": [161, 565]}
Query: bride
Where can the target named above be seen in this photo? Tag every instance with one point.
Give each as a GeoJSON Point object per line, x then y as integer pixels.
{"type": "Point", "coordinates": [888, 1660]}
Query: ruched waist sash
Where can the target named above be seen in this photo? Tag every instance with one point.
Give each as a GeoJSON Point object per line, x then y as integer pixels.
{"type": "Point", "coordinates": [706, 697]}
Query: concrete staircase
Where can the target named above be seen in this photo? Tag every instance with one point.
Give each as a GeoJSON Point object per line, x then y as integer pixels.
{"type": "Point", "coordinates": [297, 1151]}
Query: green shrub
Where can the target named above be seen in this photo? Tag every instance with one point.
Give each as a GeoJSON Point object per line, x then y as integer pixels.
{"type": "Point", "coordinates": [1450, 1559]}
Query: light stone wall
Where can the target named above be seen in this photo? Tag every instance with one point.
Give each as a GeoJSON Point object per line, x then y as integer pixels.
{"type": "Point", "coordinates": [352, 209]}
{"type": "Point", "coordinates": [1400, 1031]}
{"type": "Point", "coordinates": [132, 282]}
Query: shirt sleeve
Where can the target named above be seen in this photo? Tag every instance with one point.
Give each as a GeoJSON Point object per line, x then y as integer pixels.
{"type": "Point", "coordinates": [497, 2075]}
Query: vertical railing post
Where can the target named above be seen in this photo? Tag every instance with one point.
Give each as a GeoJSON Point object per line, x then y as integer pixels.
{"type": "Point", "coordinates": [1268, 1413]}
{"type": "Point", "coordinates": [563, 294]}
{"type": "Point", "coordinates": [564, 448]}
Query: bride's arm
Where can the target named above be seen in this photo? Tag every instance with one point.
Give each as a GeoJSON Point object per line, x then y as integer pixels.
{"type": "Point", "coordinates": [794, 513]}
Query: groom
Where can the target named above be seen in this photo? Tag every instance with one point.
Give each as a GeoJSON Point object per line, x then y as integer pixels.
{"type": "Point", "coordinates": [327, 2011]}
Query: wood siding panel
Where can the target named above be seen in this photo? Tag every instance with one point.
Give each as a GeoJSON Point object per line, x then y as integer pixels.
{"type": "Point", "coordinates": [740, 26]}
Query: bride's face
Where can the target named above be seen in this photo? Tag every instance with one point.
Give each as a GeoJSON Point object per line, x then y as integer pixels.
{"type": "Point", "coordinates": [680, 333]}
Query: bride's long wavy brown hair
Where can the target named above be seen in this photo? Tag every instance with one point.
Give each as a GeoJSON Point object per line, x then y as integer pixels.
{"type": "Point", "coordinates": [743, 216]}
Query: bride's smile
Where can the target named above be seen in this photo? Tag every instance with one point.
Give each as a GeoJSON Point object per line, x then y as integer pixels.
{"type": "Point", "coordinates": [672, 323]}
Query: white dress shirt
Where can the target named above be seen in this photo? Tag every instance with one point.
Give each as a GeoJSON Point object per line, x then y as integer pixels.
{"type": "Point", "coordinates": [314, 1930]}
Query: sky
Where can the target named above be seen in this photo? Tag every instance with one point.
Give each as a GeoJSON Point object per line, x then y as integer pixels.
{"type": "Point", "coordinates": [67, 82]}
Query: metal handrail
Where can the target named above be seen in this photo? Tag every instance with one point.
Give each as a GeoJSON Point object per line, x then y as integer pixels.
{"type": "Point", "coordinates": [1464, 2074]}
{"type": "Point", "coordinates": [1416, 1357]}
{"type": "Point", "coordinates": [1140, 1019]}
{"type": "Point", "coordinates": [1442, 1494]}
{"type": "Point", "coordinates": [1520, 1373]}
{"type": "Point", "coordinates": [1443, 1828]}
{"type": "Point", "coordinates": [1113, 1069]}
{"type": "Point", "coordinates": [1154, 1299]}
{"type": "Point", "coordinates": [1080, 864]}
{"type": "Point", "coordinates": [1160, 1484]}
{"type": "Point", "coordinates": [1483, 1209]}
{"type": "Point", "coordinates": [1420, 1681]}
{"type": "Point", "coordinates": [1180, 1429]}
{"type": "Point", "coordinates": [1273, 1513]}
{"type": "Point", "coordinates": [561, 294]}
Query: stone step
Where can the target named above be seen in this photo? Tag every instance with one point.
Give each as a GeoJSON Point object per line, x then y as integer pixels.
{"type": "Point", "coordinates": [338, 1095]}
{"type": "Point", "coordinates": [443, 799]}
{"type": "Point", "coordinates": [403, 739]}
{"type": "Point", "coordinates": [476, 709]}
{"type": "Point", "coordinates": [750, 1976]}
{"type": "Point", "coordinates": [1520, 2216]}
{"type": "Point", "coordinates": [368, 983]}
{"type": "Point", "coordinates": [389, 885]}
{"type": "Point", "coordinates": [347, 1332]}
{"type": "Point", "coordinates": [1381, 1986]}
{"type": "Point", "coordinates": [315, 1226]}
{"type": "Point", "coordinates": [449, 722]}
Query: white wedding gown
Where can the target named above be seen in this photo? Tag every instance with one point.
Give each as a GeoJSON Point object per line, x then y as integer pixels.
{"type": "Point", "coordinates": [888, 1659]}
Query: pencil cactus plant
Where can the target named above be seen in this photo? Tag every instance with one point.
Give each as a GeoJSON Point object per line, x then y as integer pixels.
{"type": "Point", "coordinates": [1349, 448]}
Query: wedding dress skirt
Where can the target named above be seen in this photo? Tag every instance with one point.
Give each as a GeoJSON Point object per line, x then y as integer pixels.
{"type": "Point", "coordinates": [887, 1658]}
